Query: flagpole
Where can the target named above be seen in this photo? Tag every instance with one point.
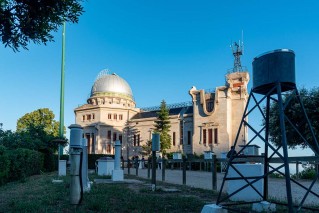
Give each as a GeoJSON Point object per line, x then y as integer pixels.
{"type": "Point", "coordinates": [61, 126]}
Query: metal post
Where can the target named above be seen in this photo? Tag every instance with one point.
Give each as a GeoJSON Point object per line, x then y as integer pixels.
{"type": "Point", "coordinates": [163, 168]}
{"type": "Point", "coordinates": [153, 170]}
{"type": "Point", "coordinates": [148, 168]}
{"type": "Point", "coordinates": [136, 167]}
{"type": "Point", "coordinates": [214, 173]}
{"type": "Point", "coordinates": [266, 163]}
{"type": "Point", "coordinates": [285, 148]}
{"type": "Point", "coordinates": [128, 166]}
{"type": "Point", "coordinates": [297, 169]}
{"type": "Point", "coordinates": [184, 171]}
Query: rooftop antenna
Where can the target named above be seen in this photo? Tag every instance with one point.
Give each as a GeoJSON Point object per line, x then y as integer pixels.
{"type": "Point", "coordinates": [238, 49]}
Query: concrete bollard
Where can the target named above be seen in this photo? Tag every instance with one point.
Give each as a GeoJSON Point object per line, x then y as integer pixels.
{"type": "Point", "coordinates": [117, 173]}
{"type": "Point", "coordinates": [76, 154]}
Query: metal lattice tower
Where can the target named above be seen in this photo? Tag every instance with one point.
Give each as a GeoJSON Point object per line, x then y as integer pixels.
{"type": "Point", "coordinates": [274, 78]}
{"type": "Point", "coordinates": [237, 49]}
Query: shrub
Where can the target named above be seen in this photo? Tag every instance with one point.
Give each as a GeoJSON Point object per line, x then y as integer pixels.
{"type": "Point", "coordinates": [308, 173]}
{"type": "Point", "coordinates": [4, 165]}
{"type": "Point", "coordinates": [276, 175]}
{"type": "Point", "coordinates": [24, 163]}
{"type": "Point", "coordinates": [49, 161]}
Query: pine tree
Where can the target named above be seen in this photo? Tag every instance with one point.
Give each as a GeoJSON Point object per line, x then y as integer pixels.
{"type": "Point", "coordinates": [162, 126]}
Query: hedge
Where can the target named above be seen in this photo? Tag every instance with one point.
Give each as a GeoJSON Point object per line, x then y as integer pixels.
{"type": "Point", "coordinates": [4, 165]}
{"type": "Point", "coordinates": [24, 163]}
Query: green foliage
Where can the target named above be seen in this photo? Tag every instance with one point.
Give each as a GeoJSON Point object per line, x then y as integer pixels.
{"type": "Point", "coordinates": [276, 175]}
{"type": "Point", "coordinates": [308, 173]}
{"type": "Point", "coordinates": [36, 131]}
{"type": "Point", "coordinates": [24, 163]}
{"type": "Point", "coordinates": [162, 126]}
{"type": "Point", "coordinates": [35, 138]}
{"type": "Point", "coordinates": [39, 118]}
{"type": "Point", "coordinates": [310, 99]}
{"type": "Point", "coordinates": [4, 165]}
{"type": "Point", "coordinates": [50, 161]}
{"type": "Point", "coordinates": [147, 148]}
{"type": "Point", "coordinates": [26, 21]}
{"type": "Point", "coordinates": [169, 155]}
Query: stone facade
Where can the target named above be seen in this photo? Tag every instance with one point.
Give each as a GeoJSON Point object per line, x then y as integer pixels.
{"type": "Point", "coordinates": [209, 123]}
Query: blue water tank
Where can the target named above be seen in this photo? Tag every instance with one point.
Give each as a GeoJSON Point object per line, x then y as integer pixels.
{"type": "Point", "coordinates": [272, 67]}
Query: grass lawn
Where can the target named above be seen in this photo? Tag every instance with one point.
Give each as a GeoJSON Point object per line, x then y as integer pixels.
{"type": "Point", "coordinates": [39, 194]}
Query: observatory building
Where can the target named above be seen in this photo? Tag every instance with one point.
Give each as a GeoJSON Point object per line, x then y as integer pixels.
{"type": "Point", "coordinates": [208, 122]}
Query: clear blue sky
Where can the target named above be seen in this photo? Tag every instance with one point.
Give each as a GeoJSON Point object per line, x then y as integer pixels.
{"type": "Point", "coordinates": [162, 48]}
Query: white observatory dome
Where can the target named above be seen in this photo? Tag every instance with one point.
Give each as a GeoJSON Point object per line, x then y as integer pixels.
{"type": "Point", "coordinates": [107, 84]}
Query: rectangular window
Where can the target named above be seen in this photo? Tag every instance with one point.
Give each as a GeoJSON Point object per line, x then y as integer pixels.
{"type": "Point", "coordinates": [88, 138]}
{"type": "Point", "coordinates": [108, 148]}
{"type": "Point", "coordinates": [114, 136]}
{"type": "Point", "coordinates": [215, 136]}
{"type": "Point", "coordinates": [134, 137]}
{"type": "Point", "coordinates": [204, 137]}
{"type": "Point", "coordinates": [83, 117]}
{"type": "Point", "coordinates": [109, 116]}
{"type": "Point", "coordinates": [138, 140]}
{"type": "Point", "coordinates": [120, 138]}
{"type": "Point", "coordinates": [210, 136]}
{"type": "Point", "coordinates": [88, 117]}
{"type": "Point", "coordinates": [109, 133]}
{"type": "Point", "coordinates": [115, 116]}
{"type": "Point", "coordinates": [174, 138]}
{"type": "Point", "coordinates": [93, 116]}
{"type": "Point", "coordinates": [121, 117]}
{"type": "Point", "coordinates": [189, 137]}
{"type": "Point", "coordinates": [93, 144]}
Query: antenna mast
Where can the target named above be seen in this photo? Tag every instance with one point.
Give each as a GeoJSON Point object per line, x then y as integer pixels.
{"type": "Point", "coordinates": [238, 49]}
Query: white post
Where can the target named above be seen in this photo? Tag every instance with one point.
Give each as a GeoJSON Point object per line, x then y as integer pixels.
{"type": "Point", "coordinates": [117, 173]}
{"type": "Point", "coordinates": [85, 177]}
{"type": "Point", "coordinates": [75, 159]}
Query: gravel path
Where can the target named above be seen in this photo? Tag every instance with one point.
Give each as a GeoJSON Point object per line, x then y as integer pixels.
{"type": "Point", "coordinates": [200, 179]}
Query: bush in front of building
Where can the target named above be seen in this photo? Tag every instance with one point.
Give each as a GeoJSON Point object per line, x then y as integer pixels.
{"type": "Point", "coordinates": [4, 165]}
{"type": "Point", "coordinates": [24, 163]}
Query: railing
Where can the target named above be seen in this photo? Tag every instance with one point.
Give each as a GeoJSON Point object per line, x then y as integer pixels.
{"type": "Point", "coordinates": [209, 165]}
{"type": "Point", "coordinates": [169, 106]}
